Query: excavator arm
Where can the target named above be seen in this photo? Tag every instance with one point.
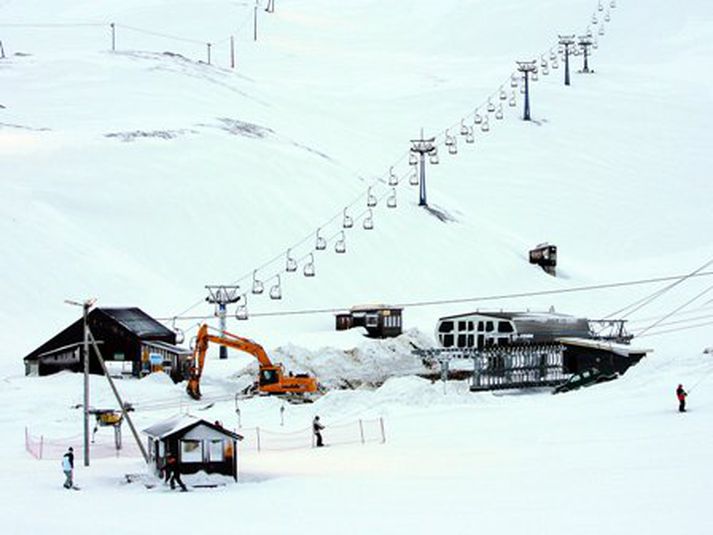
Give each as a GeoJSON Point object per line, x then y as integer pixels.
{"type": "Point", "coordinates": [278, 384]}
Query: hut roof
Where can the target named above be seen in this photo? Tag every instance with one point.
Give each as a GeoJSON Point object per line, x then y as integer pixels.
{"type": "Point", "coordinates": [181, 424]}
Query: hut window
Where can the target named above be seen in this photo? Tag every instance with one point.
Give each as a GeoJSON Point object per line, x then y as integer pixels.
{"type": "Point", "coordinates": [480, 326]}
{"type": "Point", "coordinates": [461, 340]}
{"type": "Point", "coordinates": [215, 451]}
{"type": "Point", "coordinates": [372, 320]}
{"type": "Point", "coordinates": [481, 341]}
{"type": "Point", "coordinates": [470, 340]}
{"type": "Point", "coordinates": [505, 327]}
{"type": "Point", "coordinates": [448, 340]}
{"type": "Point", "coordinates": [191, 451]}
{"type": "Point", "coordinates": [445, 327]}
{"type": "Point", "coordinates": [461, 326]}
{"type": "Point", "coordinates": [470, 326]}
{"type": "Point", "coordinates": [489, 326]}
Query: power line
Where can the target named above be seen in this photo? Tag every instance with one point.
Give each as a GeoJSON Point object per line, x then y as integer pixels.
{"type": "Point", "coordinates": [496, 297]}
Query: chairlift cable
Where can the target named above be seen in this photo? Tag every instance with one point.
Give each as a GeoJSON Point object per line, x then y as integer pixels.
{"type": "Point", "coordinates": [681, 307]}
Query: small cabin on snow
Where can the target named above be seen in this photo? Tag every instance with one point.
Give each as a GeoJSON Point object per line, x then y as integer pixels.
{"type": "Point", "coordinates": [380, 321]}
{"type": "Point", "coordinates": [131, 342]}
{"type": "Point", "coordinates": [197, 444]}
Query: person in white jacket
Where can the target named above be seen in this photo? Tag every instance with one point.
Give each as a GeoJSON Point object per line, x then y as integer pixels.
{"type": "Point", "coordinates": [68, 468]}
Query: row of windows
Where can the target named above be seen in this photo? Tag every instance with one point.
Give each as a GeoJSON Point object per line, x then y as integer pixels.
{"type": "Point", "coordinates": [470, 326]}
{"type": "Point", "coordinates": [392, 321]}
{"type": "Point", "coordinates": [199, 451]}
{"type": "Point", "coordinates": [468, 340]}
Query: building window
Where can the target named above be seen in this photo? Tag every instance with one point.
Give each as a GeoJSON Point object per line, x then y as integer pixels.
{"type": "Point", "coordinates": [215, 451]}
{"type": "Point", "coordinates": [471, 326]}
{"type": "Point", "coordinates": [470, 340]}
{"type": "Point", "coordinates": [489, 326]}
{"type": "Point", "coordinates": [461, 340]}
{"type": "Point", "coordinates": [448, 340]}
{"type": "Point", "coordinates": [481, 326]}
{"type": "Point", "coordinates": [461, 325]}
{"type": "Point", "coordinates": [191, 451]}
{"type": "Point", "coordinates": [505, 327]}
{"type": "Point", "coordinates": [445, 327]}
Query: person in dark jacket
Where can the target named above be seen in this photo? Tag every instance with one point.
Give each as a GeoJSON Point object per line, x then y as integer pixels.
{"type": "Point", "coordinates": [68, 468]}
{"type": "Point", "coordinates": [681, 395]}
{"type": "Point", "coordinates": [173, 475]}
{"type": "Point", "coordinates": [317, 431]}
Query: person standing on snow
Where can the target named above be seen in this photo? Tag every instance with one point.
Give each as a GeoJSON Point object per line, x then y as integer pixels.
{"type": "Point", "coordinates": [681, 395]}
{"type": "Point", "coordinates": [317, 431]}
{"type": "Point", "coordinates": [68, 468]}
{"type": "Point", "coordinates": [173, 476]}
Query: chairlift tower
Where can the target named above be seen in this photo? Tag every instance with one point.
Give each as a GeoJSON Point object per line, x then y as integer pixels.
{"type": "Point", "coordinates": [585, 41]}
{"type": "Point", "coordinates": [422, 147]}
{"type": "Point", "coordinates": [222, 296]}
{"type": "Point", "coordinates": [527, 67]}
{"type": "Point", "coordinates": [566, 41]}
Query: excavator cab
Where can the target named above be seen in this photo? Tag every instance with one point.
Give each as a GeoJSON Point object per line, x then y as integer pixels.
{"type": "Point", "coordinates": [269, 376]}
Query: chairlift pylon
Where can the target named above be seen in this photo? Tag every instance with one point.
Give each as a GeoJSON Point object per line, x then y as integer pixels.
{"type": "Point", "coordinates": [320, 243]}
{"type": "Point", "coordinates": [309, 267]}
{"type": "Point", "coordinates": [391, 200]}
{"type": "Point", "coordinates": [276, 290]}
{"type": "Point", "coordinates": [368, 223]}
{"type": "Point", "coordinates": [340, 246]}
{"type": "Point", "coordinates": [347, 221]}
{"type": "Point", "coordinates": [241, 313]}
{"type": "Point", "coordinates": [258, 286]}
{"type": "Point", "coordinates": [370, 198]}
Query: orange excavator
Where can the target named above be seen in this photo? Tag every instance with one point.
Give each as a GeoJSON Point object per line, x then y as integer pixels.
{"type": "Point", "coordinates": [272, 378]}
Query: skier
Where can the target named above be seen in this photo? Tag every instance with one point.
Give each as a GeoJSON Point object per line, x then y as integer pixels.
{"type": "Point", "coordinates": [173, 476]}
{"type": "Point", "coordinates": [68, 468]}
{"type": "Point", "coordinates": [681, 395]}
{"type": "Point", "coordinates": [317, 430]}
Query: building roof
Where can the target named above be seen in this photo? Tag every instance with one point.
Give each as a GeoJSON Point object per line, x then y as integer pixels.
{"type": "Point", "coordinates": [168, 347]}
{"type": "Point", "coordinates": [182, 424]}
{"type": "Point", "coordinates": [136, 321]}
{"type": "Point", "coordinates": [618, 349]}
{"type": "Point", "coordinates": [521, 316]}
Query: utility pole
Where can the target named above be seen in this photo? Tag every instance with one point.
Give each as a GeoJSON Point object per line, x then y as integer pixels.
{"type": "Point", "coordinates": [208, 47]}
{"type": "Point", "coordinates": [566, 41]}
{"type": "Point", "coordinates": [232, 52]}
{"type": "Point", "coordinates": [113, 37]}
{"type": "Point", "coordinates": [2, 51]}
{"type": "Point", "coordinates": [527, 67]}
{"type": "Point", "coordinates": [421, 147]}
{"type": "Point", "coordinates": [255, 22]}
{"type": "Point", "coordinates": [86, 306]}
{"type": "Point", "coordinates": [222, 296]}
{"type": "Point", "coordinates": [585, 41]}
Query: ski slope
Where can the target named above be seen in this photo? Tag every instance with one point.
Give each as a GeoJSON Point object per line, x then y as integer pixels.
{"type": "Point", "coordinates": [137, 177]}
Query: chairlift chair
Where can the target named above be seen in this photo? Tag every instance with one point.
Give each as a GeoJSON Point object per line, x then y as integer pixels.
{"type": "Point", "coordinates": [450, 140]}
{"type": "Point", "coordinates": [595, 44]}
{"type": "Point", "coordinates": [513, 100]}
{"type": "Point", "coordinates": [502, 95]}
{"type": "Point", "coordinates": [368, 223]}
{"type": "Point", "coordinates": [370, 198]}
{"type": "Point", "coordinates": [485, 127]}
{"type": "Point", "coordinates": [347, 221]}
{"type": "Point", "coordinates": [534, 76]}
{"type": "Point", "coordinates": [600, 6]}
{"type": "Point", "coordinates": [513, 80]}
{"type": "Point", "coordinates": [553, 55]}
{"type": "Point", "coordinates": [412, 158]}
{"type": "Point", "coordinates": [393, 179]}
{"type": "Point", "coordinates": [453, 148]}
{"type": "Point", "coordinates": [433, 157]}
{"type": "Point", "coordinates": [470, 137]}
{"type": "Point", "coordinates": [340, 246]}
{"type": "Point", "coordinates": [258, 286]}
{"type": "Point", "coordinates": [607, 17]}
{"type": "Point", "coordinates": [595, 20]}
{"type": "Point", "coordinates": [180, 335]}
{"type": "Point", "coordinates": [290, 263]}
{"type": "Point", "coordinates": [309, 267]}
{"type": "Point", "coordinates": [413, 178]}
{"type": "Point", "coordinates": [491, 106]}
{"type": "Point", "coordinates": [601, 30]}
{"type": "Point", "coordinates": [555, 64]}
{"type": "Point", "coordinates": [241, 313]}
{"type": "Point", "coordinates": [391, 199]}
{"type": "Point", "coordinates": [612, 4]}
{"type": "Point", "coordinates": [463, 128]}
{"type": "Point", "coordinates": [320, 243]}
{"type": "Point", "coordinates": [499, 112]}
{"type": "Point", "coordinates": [276, 290]}
{"type": "Point", "coordinates": [522, 89]}
{"type": "Point", "coordinates": [477, 118]}
{"type": "Point", "coordinates": [545, 70]}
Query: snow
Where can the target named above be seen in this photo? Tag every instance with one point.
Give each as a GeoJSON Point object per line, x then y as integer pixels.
{"type": "Point", "coordinates": [137, 177]}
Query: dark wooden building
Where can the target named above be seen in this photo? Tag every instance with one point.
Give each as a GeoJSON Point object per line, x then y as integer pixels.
{"type": "Point", "coordinates": [545, 256]}
{"type": "Point", "coordinates": [198, 445]}
{"type": "Point", "coordinates": [130, 340]}
{"type": "Point", "coordinates": [380, 321]}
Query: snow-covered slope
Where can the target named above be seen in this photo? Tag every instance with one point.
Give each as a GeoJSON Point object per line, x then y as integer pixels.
{"type": "Point", "coordinates": [239, 166]}
{"type": "Point", "coordinates": [138, 176]}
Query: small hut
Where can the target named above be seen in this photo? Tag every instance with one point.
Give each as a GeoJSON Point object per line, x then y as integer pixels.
{"type": "Point", "coordinates": [197, 444]}
{"type": "Point", "coordinates": [545, 256]}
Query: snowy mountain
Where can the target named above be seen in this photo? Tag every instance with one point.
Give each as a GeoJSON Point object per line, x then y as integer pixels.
{"type": "Point", "coordinates": [142, 174]}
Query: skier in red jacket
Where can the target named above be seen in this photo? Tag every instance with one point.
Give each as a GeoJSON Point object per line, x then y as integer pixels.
{"type": "Point", "coordinates": [681, 395]}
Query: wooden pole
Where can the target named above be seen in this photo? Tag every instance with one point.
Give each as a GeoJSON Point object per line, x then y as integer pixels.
{"type": "Point", "coordinates": [113, 37]}
{"type": "Point", "coordinates": [118, 398]}
{"type": "Point", "coordinates": [208, 45]}
{"type": "Point", "coordinates": [257, 433]}
{"type": "Point", "coordinates": [361, 430]}
{"type": "Point", "coordinates": [232, 52]}
{"type": "Point", "coordinates": [2, 51]}
{"type": "Point", "coordinates": [383, 433]}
